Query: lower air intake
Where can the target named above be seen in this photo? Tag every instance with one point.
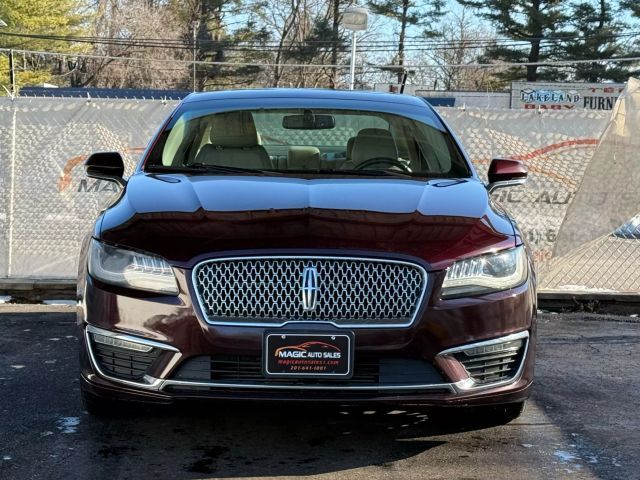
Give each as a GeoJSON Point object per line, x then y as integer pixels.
{"type": "Point", "coordinates": [372, 371]}
{"type": "Point", "coordinates": [123, 363]}
{"type": "Point", "coordinates": [493, 363]}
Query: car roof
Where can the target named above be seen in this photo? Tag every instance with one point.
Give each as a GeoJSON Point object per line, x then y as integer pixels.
{"type": "Point", "coordinates": [305, 93]}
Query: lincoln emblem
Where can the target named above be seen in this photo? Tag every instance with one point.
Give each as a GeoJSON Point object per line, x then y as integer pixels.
{"type": "Point", "coordinates": [309, 288]}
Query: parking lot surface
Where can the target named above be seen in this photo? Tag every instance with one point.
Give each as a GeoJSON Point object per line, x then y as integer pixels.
{"type": "Point", "coordinates": [581, 423]}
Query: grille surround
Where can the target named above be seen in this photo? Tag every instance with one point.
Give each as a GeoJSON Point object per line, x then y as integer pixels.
{"type": "Point", "coordinates": [292, 311]}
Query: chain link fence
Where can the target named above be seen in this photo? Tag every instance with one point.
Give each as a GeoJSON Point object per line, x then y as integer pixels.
{"type": "Point", "coordinates": [581, 194]}
{"type": "Point", "coordinates": [47, 204]}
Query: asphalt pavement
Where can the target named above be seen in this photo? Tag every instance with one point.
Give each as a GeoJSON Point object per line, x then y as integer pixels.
{"type": "Point", "coordinates": [583, 421]}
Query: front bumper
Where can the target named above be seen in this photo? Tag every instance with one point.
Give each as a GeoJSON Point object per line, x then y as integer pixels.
{"type": "Point", "coordinates": [174, 327]}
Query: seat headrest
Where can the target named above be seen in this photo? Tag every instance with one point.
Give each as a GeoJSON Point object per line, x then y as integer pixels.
{"type": "Point", "coordinates": [350, 147]}
{"type": "Point", "coordinates": [372, 143]}
{"type": "Point", "coordinates": [233, 129]}
{"type": "Point", "coordinates": [303, 158]}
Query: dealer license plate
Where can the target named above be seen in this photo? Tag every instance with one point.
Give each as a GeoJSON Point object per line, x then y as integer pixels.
{"type": "Point", "coordinates": [310, 355]}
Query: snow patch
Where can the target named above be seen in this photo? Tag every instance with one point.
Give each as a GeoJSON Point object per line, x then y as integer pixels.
{"type": "Point", "coordinates": [584, 288]}
{"type": "Point", "coordinates": [68, 424]}
{"type": "Point", "coordinates": [565, 456]}
{"type": "Point", "coordinates": [60, 302]}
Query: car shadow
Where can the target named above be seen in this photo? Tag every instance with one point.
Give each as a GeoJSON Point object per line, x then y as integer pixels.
{"type": "Point", "coordinates": [250, 440]}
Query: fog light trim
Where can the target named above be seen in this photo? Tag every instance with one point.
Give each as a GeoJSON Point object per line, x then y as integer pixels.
{"type": "Point", "coordinates": [148, 382]}
{"type": "Point", "coordinates": [507, 344]}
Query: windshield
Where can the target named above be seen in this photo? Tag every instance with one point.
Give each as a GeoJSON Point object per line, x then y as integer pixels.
{"type": "Point", "coordinates": [319, 141]}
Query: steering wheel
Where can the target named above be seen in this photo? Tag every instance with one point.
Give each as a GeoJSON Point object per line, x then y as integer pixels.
{"type": "Point", "coordinates": [392, 162]}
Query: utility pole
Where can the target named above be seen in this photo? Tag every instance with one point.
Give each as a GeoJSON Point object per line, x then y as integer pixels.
{"type": "Point", "coordinates": [334, 47]}
{"type": "Point", "coordinates": [195, 24]}
{"type": "Point", "coordinates": [12, 73]}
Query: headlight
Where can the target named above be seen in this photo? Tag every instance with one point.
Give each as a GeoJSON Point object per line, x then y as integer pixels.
{"type": "Point", "coordinates": [487, 273]}
{"type": "Point", "coordinates": [130, 269]}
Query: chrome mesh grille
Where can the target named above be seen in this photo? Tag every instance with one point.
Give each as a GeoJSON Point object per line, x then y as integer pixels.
{"type": "Point", "coordinates": [269, 290]}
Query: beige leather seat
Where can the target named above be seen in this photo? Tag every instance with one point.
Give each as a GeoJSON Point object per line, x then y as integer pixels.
{"type": "Point", "coordinates": [350, 147]}
{"type": "Point", "coordinates": [371, 143]}
{"type": "Point", "coordinates": [303, 158]}
{"type": "Point", "coordinates": [234, 142]}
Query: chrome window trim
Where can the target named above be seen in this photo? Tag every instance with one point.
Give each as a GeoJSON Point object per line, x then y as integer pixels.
{"type": "Point", "coordinates": [468, 384]}
{"type": "Point", "coordinates": [421, 300]}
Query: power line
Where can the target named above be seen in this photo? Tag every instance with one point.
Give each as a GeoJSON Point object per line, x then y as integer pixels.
{"type": "Point", "coordinates": [306, 65]}
{"type": "Point", "coordinates": [372, 45]}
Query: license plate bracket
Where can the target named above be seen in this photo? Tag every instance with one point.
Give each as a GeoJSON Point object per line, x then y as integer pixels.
{"type": "Point", "coordinates": [317, 355]}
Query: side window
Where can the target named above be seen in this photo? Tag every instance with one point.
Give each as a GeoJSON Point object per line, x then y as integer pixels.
{"type": "Point", "coordinates": [174, 140]}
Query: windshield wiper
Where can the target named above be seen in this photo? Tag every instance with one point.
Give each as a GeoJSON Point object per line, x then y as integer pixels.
{"type": "Point", "coordinates": [207, 168]}
{"type": "Point", "coordinates": [172, 169]}
{"type": "Point", "coordinates": [227, 168]}
{"type": "Point", "coordinates": [373, 173]}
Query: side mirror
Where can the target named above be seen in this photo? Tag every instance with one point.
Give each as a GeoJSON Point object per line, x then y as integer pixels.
{"type": "Point", "coordinates": [106, 166]}
{"type": "Point", "coordinates": [506, 173]}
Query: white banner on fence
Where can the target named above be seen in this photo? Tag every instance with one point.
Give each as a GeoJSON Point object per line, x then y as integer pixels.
{"type": "Point", "coordinates": [565, 96]}
{"type": "Point", "coordinates": [47, 204]}
{"type": "Point", "coordinates": [556, 147]}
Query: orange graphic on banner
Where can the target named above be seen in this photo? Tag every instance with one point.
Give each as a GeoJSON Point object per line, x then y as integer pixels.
{"type": "Point", "coordinates": [65, 179]}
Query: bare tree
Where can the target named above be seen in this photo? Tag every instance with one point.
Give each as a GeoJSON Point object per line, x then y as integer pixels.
{"type": "Point", "coordinates": [133, 29]}
{"type": "Point", "coordinates": [304, 32]}
{"type": "Point", "coordinates": [463, 41]}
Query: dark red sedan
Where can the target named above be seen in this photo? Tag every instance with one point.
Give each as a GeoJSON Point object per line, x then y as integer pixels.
{"type": "Point", "coordinates": [306, 245]}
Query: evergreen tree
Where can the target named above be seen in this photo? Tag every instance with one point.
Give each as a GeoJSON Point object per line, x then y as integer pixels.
{"type": "Point", "coordinates": [215, 42]}
{"type": "Point", "coordinates": [632, 5]}
{"type": "Point", "coordinates": [529, 21]}
{"type": "Point", "coordinates": [595, 32]}
{"type": "Point", "coordinates": [41, 17]}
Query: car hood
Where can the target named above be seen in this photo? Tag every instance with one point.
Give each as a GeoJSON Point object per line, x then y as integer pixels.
{"type": "Point", "coordinates": [185, 218]}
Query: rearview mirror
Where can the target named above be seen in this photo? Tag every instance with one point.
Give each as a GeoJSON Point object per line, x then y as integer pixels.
{"type": "Point", "coordinates": [106, 166]}
{"type": "Point", "coordinates": [308, 121]}
{"type": "Point", "coordinates": [504, 172]}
